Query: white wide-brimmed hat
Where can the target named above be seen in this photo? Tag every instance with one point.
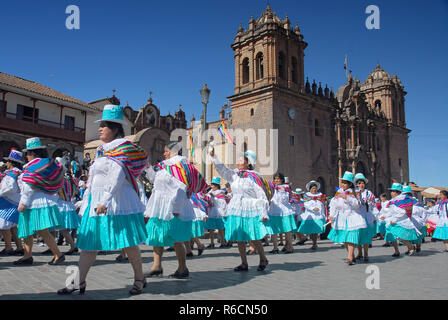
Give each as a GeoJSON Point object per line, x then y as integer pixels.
{"type": "Point", "coordinates": [311, 183]}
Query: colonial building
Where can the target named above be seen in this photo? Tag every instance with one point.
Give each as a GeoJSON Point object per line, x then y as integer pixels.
{"type": "Point", "coordinates": [28, 109]}
{"type": "Point", "coordinates": [146, 127]}
{"type": "Point", "coordinates": [317, 134]}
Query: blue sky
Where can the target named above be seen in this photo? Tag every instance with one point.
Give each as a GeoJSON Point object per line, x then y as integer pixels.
{"type": "Point", "coordinates": [172, 47]}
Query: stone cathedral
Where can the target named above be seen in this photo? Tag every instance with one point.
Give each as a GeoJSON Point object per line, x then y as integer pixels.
{"type": "Point", "coordinates": [361, 127]}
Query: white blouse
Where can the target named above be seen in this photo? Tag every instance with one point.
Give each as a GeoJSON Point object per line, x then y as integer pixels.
{"type": "Point", "coordinates": [108, 186]}
{"type": "Point", "coordinates": [169, 195]}
{"type": "Point", "coordinates": [280, 205]}
{"type": "Point", "coordinates": [345, 213]}
{"type": "Point", "coordinates": [9, 189]}
{"type": "Point", "coordinates": [442, 214]}
{"type": "Point", "coordinates": [248, 199]}
{"type": "Point", "coordinates": [219, 207]}
{"type": "Point", "coordinates": [367, 206]}
{"type": "Point", "coordinates": [309, 212]}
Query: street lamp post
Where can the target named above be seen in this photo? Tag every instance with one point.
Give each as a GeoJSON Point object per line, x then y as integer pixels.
{"type": "Point", "coordinates": [205, 94]}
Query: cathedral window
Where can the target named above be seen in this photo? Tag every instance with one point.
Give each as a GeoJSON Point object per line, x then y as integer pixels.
{"type": "Point", "coordinates": [281, 65]}
{"type": "Point", "coordinates": [259, 66]}
{"type": "Point", "coordinates": [294, 74]}
{"type": "Point", "coordinates": [245, 70]}
{"type": "Point", "coordinates": [252, 111]}
{"type": "Point", "coordinates": [316, 128]}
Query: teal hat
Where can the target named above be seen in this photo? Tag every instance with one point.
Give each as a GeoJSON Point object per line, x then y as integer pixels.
{"type": "Point", "coordinates": [216, 180]}
{"type": "Point", "coordinates": [251, 156]}
{"type": "Point", "coordinates": [112, 113]}
{"type": "Point", "coordinates": [348, 176]}
{"type": "Point", "coordinates": [360, 176]}
{"type": "Point", "coordinates": [407, 189]}
{"type": "Point", "coordinates": [33, 144]}
{"type": "Point", "coordinates": [396, 187]}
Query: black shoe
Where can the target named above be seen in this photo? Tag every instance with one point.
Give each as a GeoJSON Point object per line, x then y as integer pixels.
{"type": "Point", "coordinates": [5, 252]}
{"type": "Point", "coordinates": [24, 262]}
{"type": "Point", "coordinates": [386, 244]}
{"type": "Point", "coordinates": [261, 267]}
{"type": "Point", "coordinates": [366, 259]}
{"type": "Point", "coordinates": [283, 249]}
{"type": "Point", "coordinates": [66, 291]}
{"type": "Point", "coordinates": [314, 247]}
{"type": "Point", "coordinates": [154, 273]}
{"type": "Point", "coordinates": [241, 267]}
{"type": "Point", "coordinates": [274, 251]}
{"type": "Point", "coordinates": [250, 252]}
{"type": "Point", "coordinates": [281, 243]}
{"type": "Point", "coordinates": [59, 261]}
{"type": "Point", "coordinates": [180, 275]}
{"type": "Point", "coordinates": [71, 251]}
{"type": "Point", "coordinates": [138, 286]}
{"type": "Point", "coordinates": [301, 242]}
{"type": "Point", "coordinates": [396, 255]}
{"type": "Point", "coordinates": [223, 245]}
{"type": "Point", "coordinates": [289, 251]}
{"type": "Point", "coordinates": [351, 262]}
{"type": "Point", "coordinates": [211, 246]}
{"type": "Point", "coordinates": [370, 245]}
{"type": "Point", "coordinates": [170, 249]}
{"type": "Point", "coordinates": [120, 258]}
{"type": "Point", "coordinates": [358, 257]}
{"type": "Point", "coordinates": [18, 252]}
{"type": "Point", "coordinates": [189, 255]}
{"type": "Point", "coordinates": [229, 244]}
{"type": "Point", "coordinates": [200, 250]}
{"type": "Point", "coordinates": [418, 249]}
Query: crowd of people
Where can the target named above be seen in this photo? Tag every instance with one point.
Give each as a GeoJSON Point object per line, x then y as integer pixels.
{"type": "Point", "coordinates": [119, 201]}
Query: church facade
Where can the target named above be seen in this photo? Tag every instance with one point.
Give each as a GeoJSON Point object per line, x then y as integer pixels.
{"type": "Point", "coordinates": [312, 132]}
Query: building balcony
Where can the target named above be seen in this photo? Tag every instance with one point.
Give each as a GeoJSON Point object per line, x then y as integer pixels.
{"type": "Point", "coordinates": [40, 128]}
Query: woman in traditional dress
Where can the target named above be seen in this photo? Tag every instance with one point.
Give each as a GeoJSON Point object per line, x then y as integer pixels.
{"type": "Point", "coordinates": [281, 215]}
{"type": "Point", "coordinates": [112, 213]}
{"type": "Point", "coordinates": [217, 212]}
{"type": "Point", "coordinates": [399, 226]}
{"type": "Point", "coordinates": [367, 199]}
{"type": "Point", "coordinates": [9, 201]}
{"type": "Point", "coordinates": [315, 213]}
{"type": "Point", "coordinates": [347, 223]}
{"type": "Point", "coordinates": [441, 209]}
{"type": "Point", "coordinates": [247, 211]}
{"type": "Point", "coordinates": [201, 206]}
{"type": "Point", "coordinates": [299, 207]}
{"type": "Point", "coordinates": [169, 209]}
{"type": "Point", "coordinates": [40, 180]}
{"type": "Point", "coordinates": [67, 209]}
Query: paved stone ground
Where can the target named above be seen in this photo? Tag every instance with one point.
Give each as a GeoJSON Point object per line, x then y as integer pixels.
{"type": "Point", "coordinates": [305, 274]}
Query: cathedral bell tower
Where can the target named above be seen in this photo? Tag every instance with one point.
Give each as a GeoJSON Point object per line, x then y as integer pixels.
{"type": "Point", "coordinates": [270, 52]}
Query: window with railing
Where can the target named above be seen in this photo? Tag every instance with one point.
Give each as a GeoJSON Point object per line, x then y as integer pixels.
{"type": "Point", "coordinates": [69, 123]}
{"type": "Point", "coordinates": [2, 108]}
{"type": "Point", "coordinates": [26, 113]}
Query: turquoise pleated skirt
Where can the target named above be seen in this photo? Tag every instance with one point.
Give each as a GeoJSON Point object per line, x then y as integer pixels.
{"type": "Point", "coordinates": [397, 232]}
{"type": "Point", "coordinates": [110, 232]}
{"type": "Point", "coordinates": [33, 220]}
{"type": "Point", "coordinates": [312, 226]}
{"type": "Point", "coordinates": [70, 220]}
{"type": "Point", "coordinates": [245, 229]}
{"type": "Point", "coordinates": [422, 236]}
{"type": "Point", "coordinates": [198, 228]}
{"type": "Point", "coordinates": [213, 223]}
{"type": "Point", "coordinates": [381, 227]}
{"type": "Point", "coordinates": [356, 237]}
{"type": "Point", "coordinates": [8, 211]}
{"type": "Point", "coordinates": [372, 230]}
{"type": "Point", "coordinates": [281, 224]}
{"type": "Point", "coordinates": [441, 233]}
{"type": "Point", "coordinates": [366, 236]}
{"type": "Point", "coordinates": [163, 233]}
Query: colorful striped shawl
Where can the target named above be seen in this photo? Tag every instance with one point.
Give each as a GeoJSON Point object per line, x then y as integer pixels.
{"type": "Point", "coordinates": [130, 157]}
{"type": "Point", "coordinates": [44, 175]}
{"type": "Point", "coordinates": [405, 203]}
{"type": "Point", "coordinates": [69, 189]}
{"type": "Point", "coordinates": [267, 186]}
{"type": "Point", "coordinates": [348, 192]}
{"type": "Point", "coordinates": [13, 173]}
{"type": "Point", "coordinates": [308, 197]}
{"type": "Point", "coordinates": [187, 174]}
{"type": "Point", "coordinates": [201, 201]}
